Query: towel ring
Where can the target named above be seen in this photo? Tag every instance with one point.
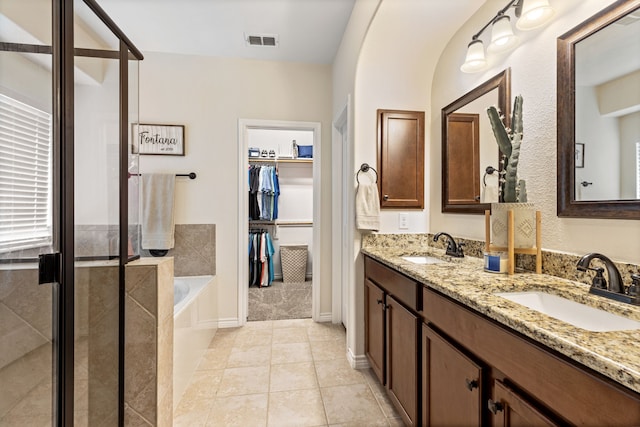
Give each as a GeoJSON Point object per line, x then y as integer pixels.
{"type": "Point", "coordinates": [365, 168]}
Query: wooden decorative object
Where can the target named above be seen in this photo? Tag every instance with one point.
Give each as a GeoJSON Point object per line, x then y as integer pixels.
{"type": "Point", "coordinates": [510, 249]}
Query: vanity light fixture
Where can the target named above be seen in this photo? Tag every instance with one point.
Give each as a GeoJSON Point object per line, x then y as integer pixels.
{"type": "Point", "coordinates": [530, 13]}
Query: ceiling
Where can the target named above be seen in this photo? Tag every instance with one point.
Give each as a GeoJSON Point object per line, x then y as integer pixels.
{"type": "Point", "coordinates": [308, 31]}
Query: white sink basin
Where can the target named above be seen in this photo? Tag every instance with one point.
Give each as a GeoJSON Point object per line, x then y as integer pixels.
{"type": "Point", "coordinates": [422, 259]}
{"type": "Point", "coordinates": [579, 315]}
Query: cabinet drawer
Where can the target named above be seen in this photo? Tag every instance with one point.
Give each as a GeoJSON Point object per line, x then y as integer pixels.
{"type": "Point", "coordinates": [402, 288]}
{"type": "Point", "coordinates": [577, 394]}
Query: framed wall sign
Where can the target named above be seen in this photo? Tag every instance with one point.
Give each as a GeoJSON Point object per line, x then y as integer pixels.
{"type": "Point", "coordinates": [158, 139]}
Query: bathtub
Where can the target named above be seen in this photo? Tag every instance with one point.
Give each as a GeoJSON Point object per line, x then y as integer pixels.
{"type": "Point", "coordinates": [195, 322]}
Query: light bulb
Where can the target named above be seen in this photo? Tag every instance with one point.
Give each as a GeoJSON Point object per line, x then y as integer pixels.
{"type": "Point", "coordinates": [535, 13]}
{"type": "Point", "coordinates": [502, 37]}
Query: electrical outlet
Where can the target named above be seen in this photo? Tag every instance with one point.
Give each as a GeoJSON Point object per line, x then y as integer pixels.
{"type": "Point", "coordinates": [403, 222]}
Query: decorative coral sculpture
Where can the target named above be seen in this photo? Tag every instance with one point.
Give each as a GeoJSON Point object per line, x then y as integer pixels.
{"type": "Point", "coordinates": [509, 140]}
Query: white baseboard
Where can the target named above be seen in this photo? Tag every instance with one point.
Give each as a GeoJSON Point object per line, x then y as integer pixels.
{"type": "Point", "coordinates": [207, 324]}
{"type": "Point", "coordinates": [325, 317]}
{"type": "Point", "coordinates": [231, 322]}
{"type": "Point", "coordinates": [357, 362]}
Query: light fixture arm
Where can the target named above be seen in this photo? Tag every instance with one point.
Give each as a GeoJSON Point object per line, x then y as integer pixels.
{"type": "Point", "coordinates": [515, 3]}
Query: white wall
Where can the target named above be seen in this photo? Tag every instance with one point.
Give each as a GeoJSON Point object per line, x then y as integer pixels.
{"type": "Point", "coordinates": [208, 95]}
{"type": "Point", "coordinates": [601, 140]}
{"type": "Point", "coordinates": [394, 71]}
{"type": "Point", "coordinates": [629, 136]}
{"type": "Point", "coordinates": [533, 71]}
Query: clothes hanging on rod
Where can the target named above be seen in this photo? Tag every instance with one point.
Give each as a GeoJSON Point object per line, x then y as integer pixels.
{"type": "Point", "coordinates": [261, 252]}
{"type": "Point", "coordinates": [264, 190]}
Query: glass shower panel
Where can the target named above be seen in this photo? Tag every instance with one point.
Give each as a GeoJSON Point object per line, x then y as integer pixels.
{"type": "Point", "coordinates": [133, 164]}
{"type": "Point", "coordinates": [27, 373]}
{"type": "Point", "coordinates": [97, 203]}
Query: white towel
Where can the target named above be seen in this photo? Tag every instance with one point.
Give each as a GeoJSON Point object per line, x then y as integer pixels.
{"type": "Point", "coordinates": [367, 207]}
{"type": "Point", "coordinates": [490, 191]}
{"type": "Point", "coordinates": [157, 211]}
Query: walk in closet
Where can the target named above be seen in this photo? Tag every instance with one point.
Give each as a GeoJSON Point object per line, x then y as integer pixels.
{"type": "Point", "coordinates": [280, 238]}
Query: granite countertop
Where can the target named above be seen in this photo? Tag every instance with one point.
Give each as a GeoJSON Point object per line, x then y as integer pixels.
{"type": "Point", "coordinates": [613, 354]}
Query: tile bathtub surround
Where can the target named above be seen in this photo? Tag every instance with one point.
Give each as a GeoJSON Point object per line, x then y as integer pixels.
{"type": "Point", "coordinates": [194, 252]}
{"type": "Point", "coordinates": [282, 373]}
{"type": "Point", "coordinates": [557, 264]}
{"type": "Point", "coordinates": [149, 342]}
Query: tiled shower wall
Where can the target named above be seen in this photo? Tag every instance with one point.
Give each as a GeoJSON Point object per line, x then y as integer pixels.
{"type": "Point", "coordinates": [194, 253]}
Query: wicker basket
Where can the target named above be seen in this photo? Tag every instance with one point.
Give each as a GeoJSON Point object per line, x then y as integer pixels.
{"type": "Point", "coordinates": [294, 263]}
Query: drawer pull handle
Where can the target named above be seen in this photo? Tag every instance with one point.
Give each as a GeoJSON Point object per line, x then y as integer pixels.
{"type": "Point", "coordinates": [384, 306]}
{"type": "Point", "coordinates": [471, 384]}
{"type": "Point", "coordinates": [495, 407]}
{"type": "Point", "coordinates": [385, 197]}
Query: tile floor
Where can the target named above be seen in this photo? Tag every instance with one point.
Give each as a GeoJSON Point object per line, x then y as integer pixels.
{"type": "Point", "coordinates": [280, 301]}
{"type": "Point", "coordinates": [282, 373]}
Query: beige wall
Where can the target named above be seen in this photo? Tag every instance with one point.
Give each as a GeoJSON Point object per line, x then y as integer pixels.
{"type": "Point", "coordinates": [208, 95]}
{"type": "Point", "coordinates": [533, 75]}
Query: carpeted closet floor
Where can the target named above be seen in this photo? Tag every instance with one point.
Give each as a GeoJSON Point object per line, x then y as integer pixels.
{"type": "Point", "coordinates": [280, 301]}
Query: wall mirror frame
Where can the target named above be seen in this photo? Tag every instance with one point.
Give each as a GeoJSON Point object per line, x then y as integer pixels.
{"type": "Point", "coordinates": [568, 206]}
{"type": "Point", "coordinates": [500, 82]}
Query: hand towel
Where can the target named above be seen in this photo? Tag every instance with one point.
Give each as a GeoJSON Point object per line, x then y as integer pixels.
{"type": "Point", "coordinates": [157, 211]}
{"type": "Point", "coordinates": [490, 191]}
{"type": "Point", "coordinates": [367, 207]}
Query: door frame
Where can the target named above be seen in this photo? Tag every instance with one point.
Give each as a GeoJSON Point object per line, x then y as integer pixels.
{"type": "Point", "coordinates": [341, 219]}
{"type": "Point", "coordinates": [243, 210]}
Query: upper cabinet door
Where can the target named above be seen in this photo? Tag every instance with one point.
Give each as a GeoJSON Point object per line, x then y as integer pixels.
{"type": "Point", "coordinates": [401, 159]}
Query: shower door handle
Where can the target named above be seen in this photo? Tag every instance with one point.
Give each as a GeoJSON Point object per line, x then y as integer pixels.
{"type": "Point", "coordinates": [48, 268]}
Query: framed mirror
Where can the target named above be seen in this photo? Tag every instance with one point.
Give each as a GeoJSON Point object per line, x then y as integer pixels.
{"type": "Point", "coordinates": [469, 147]}
{"type": "Point", "coordinates": [599, 115]}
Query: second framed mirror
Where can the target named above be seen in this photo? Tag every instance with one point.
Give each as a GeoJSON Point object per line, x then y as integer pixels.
{"type": "Point", "coordinates": [469, 149]}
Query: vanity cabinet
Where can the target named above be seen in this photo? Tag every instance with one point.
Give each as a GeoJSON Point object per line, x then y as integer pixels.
{"type": "Point", "coordinates": [392, 336]}
{"type": "Point", "coordinates": [452, 383]}
{"type": "Point", "coordinates": [444, 363]}
{"type": "Point", "coordinates": [509, 408]}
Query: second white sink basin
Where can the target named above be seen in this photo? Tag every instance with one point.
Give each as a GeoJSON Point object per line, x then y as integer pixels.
{"type": "Point", "coordinates": [422, 259]}
{"type": "Point", "coordinates": [579, 315]}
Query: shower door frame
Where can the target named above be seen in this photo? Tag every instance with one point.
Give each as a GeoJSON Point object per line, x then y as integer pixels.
{"type": "Point", "coordinates": [63, 219]}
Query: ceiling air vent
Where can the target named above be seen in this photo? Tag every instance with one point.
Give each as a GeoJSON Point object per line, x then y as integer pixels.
{"type": "Point", "coordinates": [261, 39]}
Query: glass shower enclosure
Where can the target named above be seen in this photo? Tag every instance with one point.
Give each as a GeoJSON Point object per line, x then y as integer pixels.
{"type": "Point", "coordinates": [69, 219]}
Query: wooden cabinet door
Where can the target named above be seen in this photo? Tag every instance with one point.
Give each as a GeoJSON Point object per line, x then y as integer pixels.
{"type": "Point", "coordinates": [403, 355]}
{"type": "Point", "coordinates": [511, 410]}
{"type": "Point", "coordinates": [374, 328]}
{"type": "Point", "coordinates": [401, 159]}
{"type": "Point", "coordinates": [463, 157]}
{"type": "Point", "coordinates": [452, 383]}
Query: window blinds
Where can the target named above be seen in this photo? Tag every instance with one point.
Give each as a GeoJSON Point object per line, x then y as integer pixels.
{"type": "Point", "coordinates": [25, 176]}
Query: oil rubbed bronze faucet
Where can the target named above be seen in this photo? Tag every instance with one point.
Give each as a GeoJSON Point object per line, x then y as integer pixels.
{"type": "Point", "coordinates": [615, 289]}
{"type": "Point", "coordinates": [453, 249]}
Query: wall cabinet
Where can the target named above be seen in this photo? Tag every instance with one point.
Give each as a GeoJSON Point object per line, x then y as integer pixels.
{"type": "Point", "coordinates": [445, 364]}
{"type": "Point", "coordinates": [401, 159]}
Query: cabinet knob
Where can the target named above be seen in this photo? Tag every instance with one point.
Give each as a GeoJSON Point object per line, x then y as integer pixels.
{"type": "Point", "coordinates": [471, 384]}
{"type": "Point", "coordinates": [385, 197]}
{"type": "Point", "coordinates": [384, 306]}
{"type": "Point", "coordinates": [495, 407]}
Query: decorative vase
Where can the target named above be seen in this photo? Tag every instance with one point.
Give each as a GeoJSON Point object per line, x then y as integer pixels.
{"type": "Point", "coordinates": [524, 224]}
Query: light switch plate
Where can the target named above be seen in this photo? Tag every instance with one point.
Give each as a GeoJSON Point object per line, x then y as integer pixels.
{"type": "Point", "coordinates": [403, 222]}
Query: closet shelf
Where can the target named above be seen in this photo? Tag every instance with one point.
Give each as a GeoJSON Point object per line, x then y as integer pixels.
{"type": "Point", "coordinates": [280, 223]}
{"type": "Point", "coordinates": [271, 160]}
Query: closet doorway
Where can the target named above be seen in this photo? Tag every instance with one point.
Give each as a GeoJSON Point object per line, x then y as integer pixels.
{"type": "Point", "coordinates": [286, 225]}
